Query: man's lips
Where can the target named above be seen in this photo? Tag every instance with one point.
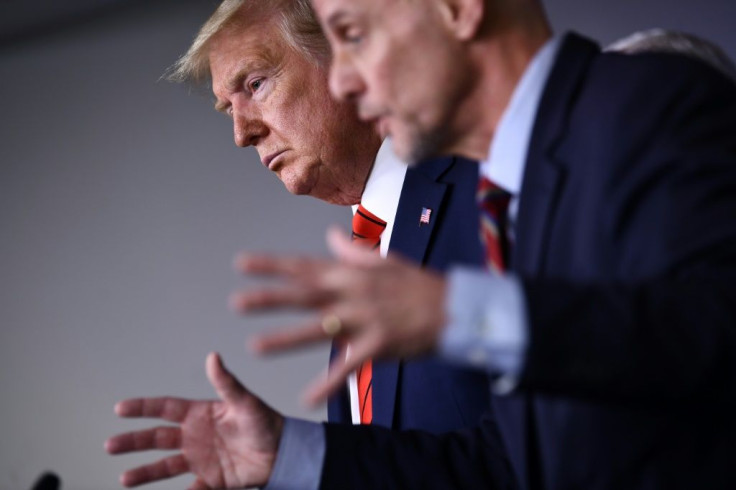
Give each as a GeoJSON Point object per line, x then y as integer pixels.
{"type": "Point", "coordinates": [382, 125]}
{"type": "Point", "coordinates": [369, 114]}
{"type": "Point", "coordinates": [268, 159]}
{"type": "Point", "coordinates": [379, 120]}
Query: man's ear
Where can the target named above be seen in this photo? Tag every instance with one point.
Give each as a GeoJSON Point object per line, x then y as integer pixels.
{"type": "Point", "coordinates": [463, 17]}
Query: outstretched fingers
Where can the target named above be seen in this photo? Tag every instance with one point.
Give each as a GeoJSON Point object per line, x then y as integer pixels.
{"type": "Point", "coordinates": [348, 252]}
{"type": "Point", "coordinates": [160, 470]}
{"type": "Point", "coordinates": [295, 296]}
{"type": "Point", "coordinates": [360, 351]}
{"type": "Point", "coordinates": [167, 408]}
{"type": "Point", "coordinates": [287, 339]}
{"type": "Point", "coordinates": [142, 440]}
{"type": "Point", "coordinates": [268, 265]}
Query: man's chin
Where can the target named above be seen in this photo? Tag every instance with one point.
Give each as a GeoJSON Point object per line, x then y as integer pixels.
{"type": "Point", "coordinates": [297, 185]}
{"type": "Point", "coordinates": [383, 128]}
{"type": "Point", "coordinates": [297, 190]}
{"type": "Point", "coordinates": [412, 149]}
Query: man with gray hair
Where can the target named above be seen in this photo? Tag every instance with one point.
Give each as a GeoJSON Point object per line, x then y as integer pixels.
{"type": "Point", "coordinates": [676, 42]}
{"type": "Point", "coordinates": [608, 313]}
{"type": "Point", "coordinates": [267, 63]}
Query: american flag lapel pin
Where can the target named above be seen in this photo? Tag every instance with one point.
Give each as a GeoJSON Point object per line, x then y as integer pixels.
{"type": "Point", "coordinates": [425, 216]}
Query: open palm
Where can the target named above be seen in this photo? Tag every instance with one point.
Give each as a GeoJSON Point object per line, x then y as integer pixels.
{"type": "Point", "coordinates": [226, 443]}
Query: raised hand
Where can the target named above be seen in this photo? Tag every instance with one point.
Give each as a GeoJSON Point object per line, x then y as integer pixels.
{"type": "Point", "coordinates": [380, 307]}
{"type": "Point", "coordinates": [226, 443]}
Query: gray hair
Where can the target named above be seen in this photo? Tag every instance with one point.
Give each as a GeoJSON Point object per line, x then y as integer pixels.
{"type": "Point", "coordinates": [296, 21]}
{"type": "Point", "coordinates": [664, 41]}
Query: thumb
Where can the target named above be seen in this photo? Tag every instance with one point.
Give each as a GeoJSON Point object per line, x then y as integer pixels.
{"type": "Point", "coordinates": [346, 251]}
{"type": "Point", "coordinates": [227, 386]}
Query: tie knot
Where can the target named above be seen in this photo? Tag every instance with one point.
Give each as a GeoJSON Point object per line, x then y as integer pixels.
{"type": "Point", "coordinates": [493, 202]}
{"type": "Point", "coordinates": [367, 227]}
{"type": "Point", "coordinates": [490, 191]}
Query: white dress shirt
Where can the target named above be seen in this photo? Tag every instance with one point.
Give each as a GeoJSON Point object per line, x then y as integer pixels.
{"type": "Point", "coordinates": [301, 451]}
{"type": "Point", "coordinates": [381, 197]}
{"type": "Point", "coordinates": [487, 314]}
{"type": "Point", "coordinates": [383, 190]}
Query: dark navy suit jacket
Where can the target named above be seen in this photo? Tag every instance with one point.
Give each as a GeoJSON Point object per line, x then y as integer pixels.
{"type": "Point", "coordinates": [626, 247]}
{"type": "Point", "coordinates": [430, 394]}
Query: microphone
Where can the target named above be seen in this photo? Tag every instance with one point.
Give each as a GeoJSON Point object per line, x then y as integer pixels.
{"type": "Point", "coordinates": [47, 481]}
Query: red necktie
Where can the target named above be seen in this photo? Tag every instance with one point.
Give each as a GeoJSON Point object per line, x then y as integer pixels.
{"type": "Point", "coordinates": [367, 229]}
{"type": "Point", "coordinates": [493, 202]}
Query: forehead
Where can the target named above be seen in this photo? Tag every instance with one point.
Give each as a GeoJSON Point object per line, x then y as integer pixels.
{"type": "Point", "coordinates": [330, 11]}
{"type": "Point", "coordinates": [256, 42]}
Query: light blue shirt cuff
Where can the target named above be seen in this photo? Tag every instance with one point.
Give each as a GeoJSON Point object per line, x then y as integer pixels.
{"type": "Point", "coordinates": [300, 457]}
{"type": "Point", "coordinates": [487, 324]}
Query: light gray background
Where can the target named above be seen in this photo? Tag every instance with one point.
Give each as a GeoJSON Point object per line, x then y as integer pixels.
{"type": "Point", "coordinates": [122, 203]}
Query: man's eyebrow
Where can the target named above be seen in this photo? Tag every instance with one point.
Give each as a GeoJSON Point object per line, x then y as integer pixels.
{"type": "Point", "coordinates": [232, 84]}
{"type": "Point", "coordinates": [235, 80]}
{"type": "Point", "coordinates": [335, 17]}
{"type": "Point", "coordinates": [221, 106]}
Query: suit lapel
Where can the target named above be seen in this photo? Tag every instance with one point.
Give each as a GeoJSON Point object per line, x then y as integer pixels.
{"type": "Point", "coordinates": [544, 179]}
{"type": "Point", "coordinates": [422, 190]}
{"type": "Point", "coordinates": [411, 239]}
{"type": "Point", "coordinates": [544, 173]}
{"type": "Point", "coordinates": [338, 405]}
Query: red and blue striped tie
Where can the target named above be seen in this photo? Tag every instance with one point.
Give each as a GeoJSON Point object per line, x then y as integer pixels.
{"type": "Point", "coordinates": [494, 203]}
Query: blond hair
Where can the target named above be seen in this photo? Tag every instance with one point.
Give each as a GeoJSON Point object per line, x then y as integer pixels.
{"type": "Point", "coordinates": [296, 21]}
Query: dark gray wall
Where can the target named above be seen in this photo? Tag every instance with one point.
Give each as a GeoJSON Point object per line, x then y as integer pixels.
{"type": "Point", "coordinates": [122, 202]}
{"type": "Point", "coordinates": [608, 21]}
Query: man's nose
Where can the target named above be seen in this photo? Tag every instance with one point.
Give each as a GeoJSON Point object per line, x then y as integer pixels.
{"type": "Point", "coordinates": [247, 131]}
{"type": "Point", "coordinates": [345, 81]}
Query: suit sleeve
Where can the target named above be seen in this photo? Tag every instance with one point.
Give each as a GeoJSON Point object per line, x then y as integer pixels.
{"type": "Point", "coordinates": [662, 341]}
{"type": "Point", "coordinates": [367, 457]}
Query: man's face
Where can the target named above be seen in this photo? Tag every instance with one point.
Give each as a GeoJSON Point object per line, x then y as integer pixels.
{"type": "Point", "coordinates": [280, 104]}
{"type": "Point", "coordinates": [401, 66]}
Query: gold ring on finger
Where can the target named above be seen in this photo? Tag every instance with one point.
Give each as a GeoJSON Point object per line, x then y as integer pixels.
{"type": "Point", "coordinates": [331, 324]}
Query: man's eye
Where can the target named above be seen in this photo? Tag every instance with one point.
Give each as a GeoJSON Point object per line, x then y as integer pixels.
{"type": "Point", "coordinates": [354, 39]}
{"type": "Point", "coordinates": [255, 84]}
{"type": "Point", "coordinates": [350, 34]}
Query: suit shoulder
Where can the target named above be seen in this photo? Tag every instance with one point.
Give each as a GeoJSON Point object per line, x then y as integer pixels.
{"type": "Point", "coordinates": [657, 76]}
{"type": "Point", "coordinates": [656, 109]}
{"type": "Point", "coordinates": [653, 93]}
{"type": "Point", "coordinates": [444, 169]}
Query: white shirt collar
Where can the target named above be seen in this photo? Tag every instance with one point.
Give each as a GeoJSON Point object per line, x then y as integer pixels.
{"type": "Point", "coordinates": [510, 145]}
{"type": "Point", "coordinates": [380, 197]}
{"type": "Point", "coordinates": [383, 190]}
